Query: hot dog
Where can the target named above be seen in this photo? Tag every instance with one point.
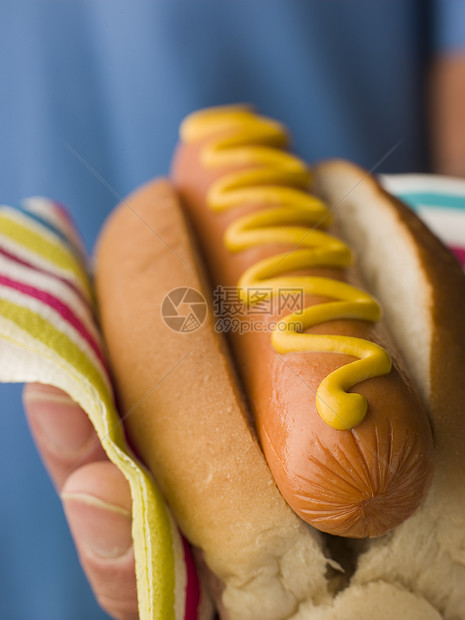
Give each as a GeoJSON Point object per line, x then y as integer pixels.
{"type": "Point", "coordinates": [193, 428]}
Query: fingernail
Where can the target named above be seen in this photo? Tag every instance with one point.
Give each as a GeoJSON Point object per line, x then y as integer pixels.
{"type": "Point", "coordinates": [103, 529]}
{"type": "Point", "coordinates": [59, 420]}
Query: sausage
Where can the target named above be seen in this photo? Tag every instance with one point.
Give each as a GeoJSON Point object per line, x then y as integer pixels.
{"type": "Point", "coordinates": [344, 433]}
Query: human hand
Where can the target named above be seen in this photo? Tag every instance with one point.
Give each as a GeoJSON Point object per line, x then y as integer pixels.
{"type": "Point", "coordinates": [96, 496]}
{"type": "Point", "coordinates": [447, 114]}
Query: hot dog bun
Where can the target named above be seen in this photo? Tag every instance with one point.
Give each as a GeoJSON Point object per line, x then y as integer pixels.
{"type": "Point", "coordinates": [187, 419]}
{"type": "Point", "coordinates": [425, 309]}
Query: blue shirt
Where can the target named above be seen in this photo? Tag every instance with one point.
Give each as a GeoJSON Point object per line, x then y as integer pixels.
{"type": "Point", "coordinates": [92, 95]}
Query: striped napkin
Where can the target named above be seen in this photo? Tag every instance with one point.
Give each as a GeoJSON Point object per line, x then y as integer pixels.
{"type": "Point", "coordinates": [48, 333]}
{"type": "Point", "coordinates": [439, 201]}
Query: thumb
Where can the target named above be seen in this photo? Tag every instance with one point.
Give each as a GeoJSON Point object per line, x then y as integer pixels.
{"type": "Point", "coordinates": [97, 503]}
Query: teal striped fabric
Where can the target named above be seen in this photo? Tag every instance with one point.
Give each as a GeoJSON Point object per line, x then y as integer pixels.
{"type": "Point", "coordinates": [438, 200]}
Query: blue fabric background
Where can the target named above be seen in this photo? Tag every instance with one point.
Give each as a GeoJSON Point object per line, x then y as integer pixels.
{"type": "Point", "coordinates": [107, 82]}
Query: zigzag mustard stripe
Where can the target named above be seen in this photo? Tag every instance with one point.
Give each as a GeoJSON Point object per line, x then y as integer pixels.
{"type": "Point", "coordinates": [290, 215]}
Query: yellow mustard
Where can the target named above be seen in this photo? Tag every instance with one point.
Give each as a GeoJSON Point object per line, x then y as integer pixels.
{"type": "Point", "coordinates": [235, 136]}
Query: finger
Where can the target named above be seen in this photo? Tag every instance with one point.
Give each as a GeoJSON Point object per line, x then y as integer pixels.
{"type": "Point", "coordinates": [97, 503]}
{"type": "Point", "coordinates": [62, 431]}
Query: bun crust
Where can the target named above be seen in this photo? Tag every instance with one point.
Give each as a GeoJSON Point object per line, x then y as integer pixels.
{"type": "Point", "coordinates": [184, 414]}
{"type": "Point", "coordinates": [422, 288]}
